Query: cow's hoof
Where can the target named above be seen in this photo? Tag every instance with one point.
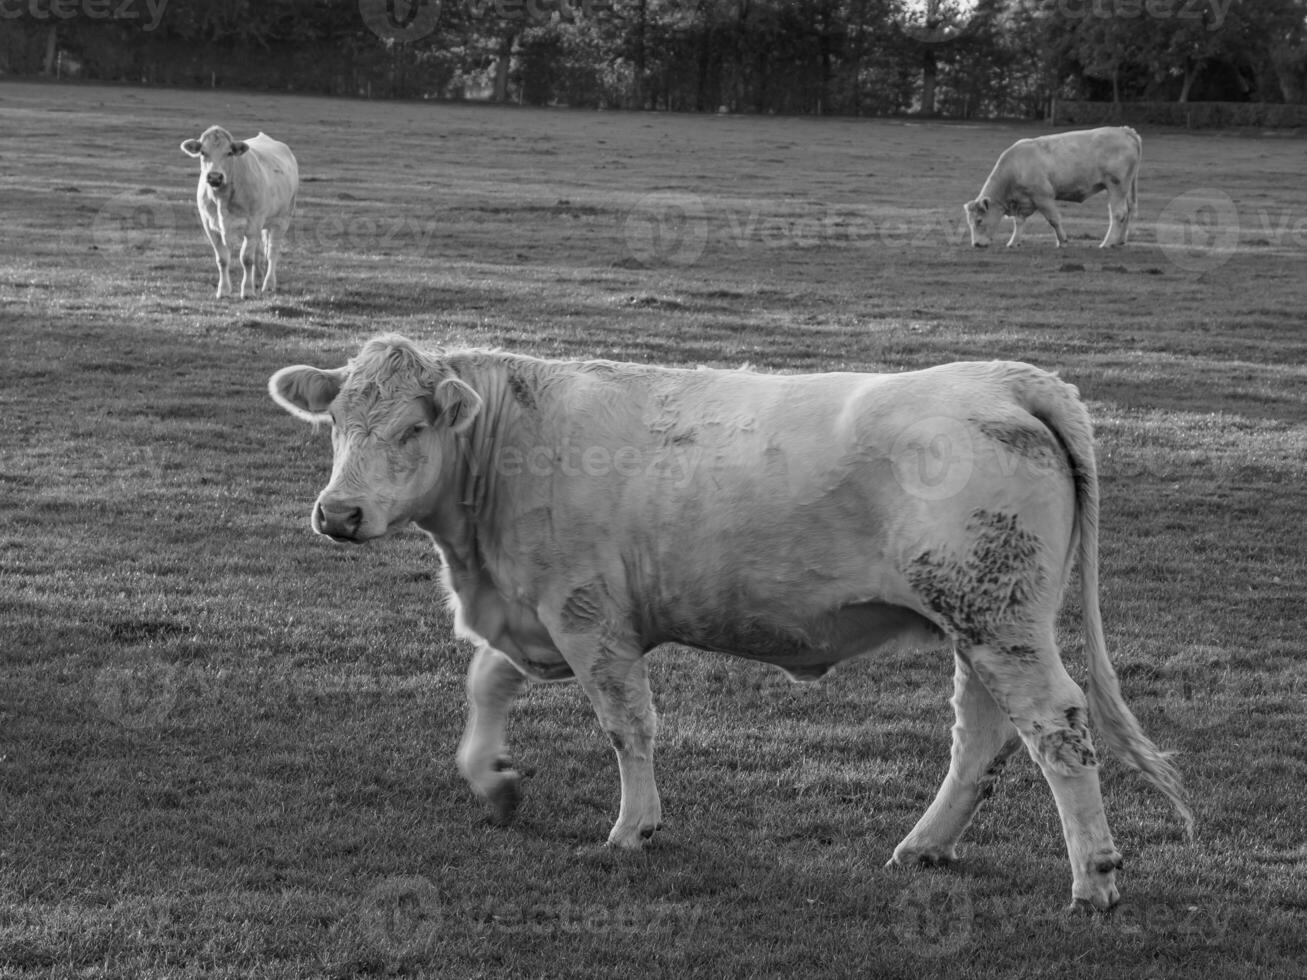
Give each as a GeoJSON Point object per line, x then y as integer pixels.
{"type": "Point", "coordinates": [1082, 907]}
{"type": "Point", "coordinates": [632, 840]}
{"type": "Point", "coordinates": [504, 800]}
{"type": "Point", "coordinates": [905, 858]}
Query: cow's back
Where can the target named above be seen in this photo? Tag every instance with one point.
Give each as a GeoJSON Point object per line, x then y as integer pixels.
{"type": "Point", "coordinates": [279, 172]}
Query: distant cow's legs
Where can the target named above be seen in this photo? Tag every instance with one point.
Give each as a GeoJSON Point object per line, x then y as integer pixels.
{"type": "Point", "coordinates": [493, 683]}
{"type": "Point", "coordinates": [1049, 711]}
{"type": "Point", "coordinates": [1018, 226]}
{"type": "Point", "coordinates": [222, 256]}
{"type": "Point", "coordinates": [249, 261]}
{"type": "Point", "coordinates": [274, 240]}
{"type": "Point", "coordinates": [983, 738]}
{"type": "Point", "coordinates": [1119, 212]}
{"type": "Point", "coordinates": [1049, 210]}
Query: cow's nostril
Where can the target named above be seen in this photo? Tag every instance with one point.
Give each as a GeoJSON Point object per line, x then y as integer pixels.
{"type": "Point", "coordinates": [341, 523]}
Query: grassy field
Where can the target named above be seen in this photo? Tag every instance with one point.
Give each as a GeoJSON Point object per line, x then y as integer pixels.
{"type": "Point", "coordinates": [226, 746]}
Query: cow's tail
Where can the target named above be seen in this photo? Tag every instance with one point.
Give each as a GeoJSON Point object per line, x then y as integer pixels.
{"type": "Point", "coordinates": [1057, 404]}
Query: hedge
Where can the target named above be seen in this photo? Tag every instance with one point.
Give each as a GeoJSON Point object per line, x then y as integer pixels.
{"type": "Point", "coordinates": [1192, 115]}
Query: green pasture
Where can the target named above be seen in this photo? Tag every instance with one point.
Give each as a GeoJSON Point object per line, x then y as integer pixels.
{"type": "Point", "coordinates": [226, 745]}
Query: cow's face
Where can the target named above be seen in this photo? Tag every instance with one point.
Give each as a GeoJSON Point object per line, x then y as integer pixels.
{"type": "Point", "coordinates": [983, 220]}
{"type": "Point", "coordinates": [216, 150]}
{"type": "Point", "coordinates": [396, 415]}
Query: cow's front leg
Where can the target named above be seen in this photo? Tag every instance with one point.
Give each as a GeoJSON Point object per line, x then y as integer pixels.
{"type": "Point", "coordinates": [612, 671]}
{"type": "Point", "coordinates": [983, 738]}
{"type": "Point", "coordinates": [493, 683]}
{"type": "Point", "coordinates": [222, 256]}
{"type": "Point", "coordinates": [1049, 210]}
{"type": "Point", "coordinates": [618, 687]}
{"type": "Point", "coordinates": [1018, 226]}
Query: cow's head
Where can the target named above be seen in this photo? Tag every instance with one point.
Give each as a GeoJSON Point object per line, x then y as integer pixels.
{"type": "Point", "coordinates": [216, 150]}
{"type": "Point", "coordinates": [395, 413]}
{"type": "Point", "coordinates": [983, 219]}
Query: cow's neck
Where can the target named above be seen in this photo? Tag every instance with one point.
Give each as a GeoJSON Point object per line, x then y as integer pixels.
{"type": "Point", "coordinates": [996, 189]}
{"type": "Point", "coordinates": [462, 509]}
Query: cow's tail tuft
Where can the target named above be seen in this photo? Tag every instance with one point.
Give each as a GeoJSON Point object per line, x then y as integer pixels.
{"type": "Point", "coordinates": [1066, 416]}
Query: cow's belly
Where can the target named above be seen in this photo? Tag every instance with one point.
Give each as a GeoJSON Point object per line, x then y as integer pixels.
{"type": "Point", "coordinates": [807, 647]}
{"type": "Point", "coordinates": [1078, 193]}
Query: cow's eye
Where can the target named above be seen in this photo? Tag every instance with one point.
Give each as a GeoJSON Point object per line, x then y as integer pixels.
{"type": "Point", "coordinates": [411, 433]}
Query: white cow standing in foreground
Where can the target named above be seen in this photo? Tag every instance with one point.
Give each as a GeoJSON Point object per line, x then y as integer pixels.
{"type": "Point", "coordinates": [588, 511]}
{"type": "Point", "coordinates": [247, 190]}
{"type": "Point", "coordinates": [1032, 174]}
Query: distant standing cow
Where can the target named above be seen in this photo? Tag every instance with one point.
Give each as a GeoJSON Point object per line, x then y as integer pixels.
{"type": "Point", "coordinates": [1032, 174]}
{"type": "Point", "coordinates": [247, 190]}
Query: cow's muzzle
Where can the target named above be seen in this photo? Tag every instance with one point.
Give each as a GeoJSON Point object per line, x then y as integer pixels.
{"type": "Point", "coordinates": [340, 523]}
{"type": "Point", "coordinates": [215, 180]}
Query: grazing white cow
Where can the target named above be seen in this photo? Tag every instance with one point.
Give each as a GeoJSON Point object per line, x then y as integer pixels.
{"type": "Point", "coordinates": [247, 190]}
{"type": "Point", "coordinates": [1033, 174]}
{"type": "Point", "coordinates": [588, 511]}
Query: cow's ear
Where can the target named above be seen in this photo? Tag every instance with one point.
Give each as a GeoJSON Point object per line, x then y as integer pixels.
{"type": "Point", "coordinates": [191, 148]}
{"type": "Point", "coordinates": [982, 205]}
{"type": "Point", "coordinates": [306, 392]}
{"type": "Point", "coordinates": [457, 404]}
{"type": "Point", "coordinates": [239, 147]}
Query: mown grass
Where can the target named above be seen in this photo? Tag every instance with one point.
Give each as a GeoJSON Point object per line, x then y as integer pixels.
{"type": "Point", "coordinates": [226, 746]}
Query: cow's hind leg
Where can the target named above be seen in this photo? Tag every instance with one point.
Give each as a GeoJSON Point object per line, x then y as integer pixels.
{"type": "Point", "coordinates": [274, 239]}
{"type": "Point", "coordinates": [983, 738]}
{"type": "Point", "coordinates": [1049, 712]}
{"type": "Point", "coordinates": [1118, 213]}
{"type": "Point", "coordinates": [493, 683]}
{"type": "Point", "coordinates": [249, 260]}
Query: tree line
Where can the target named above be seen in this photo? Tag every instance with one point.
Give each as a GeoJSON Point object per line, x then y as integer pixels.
{"type": "Point", "coordinates": [957, 58]}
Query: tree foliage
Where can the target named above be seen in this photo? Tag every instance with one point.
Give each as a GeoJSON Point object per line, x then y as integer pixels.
{"type": "Point", "coordinates": [962, 58]}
